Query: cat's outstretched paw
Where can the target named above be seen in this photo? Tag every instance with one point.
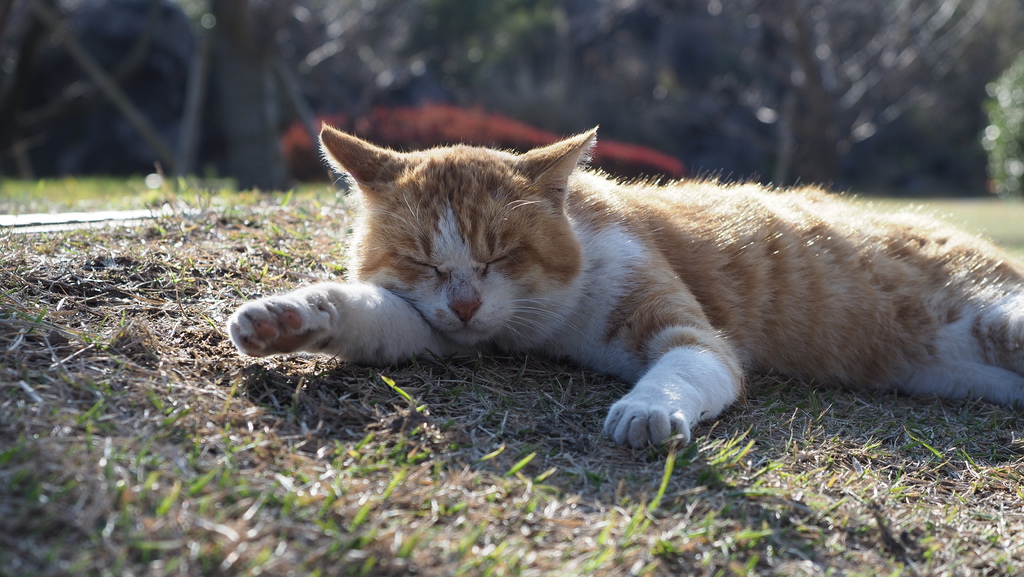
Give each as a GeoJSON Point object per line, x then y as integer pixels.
{"type": "Point", "coordinates": [640, 422]}
{"type": "Point", "coordinates": [277, 325]}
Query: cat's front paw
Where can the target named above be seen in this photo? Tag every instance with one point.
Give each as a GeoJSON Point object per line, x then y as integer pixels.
{"type": "Point", "coordinates": [639, 421]}
{"type": "Point", "coordinates": [277, 325]}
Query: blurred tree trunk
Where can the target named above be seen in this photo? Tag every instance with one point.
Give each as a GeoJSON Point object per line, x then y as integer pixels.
{"type": "Point", "coordinates": [815, 158]}
{"type": "Point", "coordinates": [14, 87]}
{"type": "Point", "coordinates": [250, 109]}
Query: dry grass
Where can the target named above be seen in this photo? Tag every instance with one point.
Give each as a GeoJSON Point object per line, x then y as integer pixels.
{"type": "Point", "coordinates": [134, 441]}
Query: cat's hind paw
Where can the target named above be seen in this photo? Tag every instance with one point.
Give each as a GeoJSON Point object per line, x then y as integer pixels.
{"type": "Point", "coordinates": [275, 325]}
{"type": "Point", "coordinates": [639, 423]}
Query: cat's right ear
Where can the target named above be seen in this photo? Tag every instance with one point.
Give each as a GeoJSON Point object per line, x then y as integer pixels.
{"type": "Point", "coordinates": [550, 166]}
{"type": "Point", "coordinates": [364, 162]}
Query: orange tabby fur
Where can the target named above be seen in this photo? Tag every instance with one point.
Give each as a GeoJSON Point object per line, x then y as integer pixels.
{"type": "Point", "coordinates": [680, 289]}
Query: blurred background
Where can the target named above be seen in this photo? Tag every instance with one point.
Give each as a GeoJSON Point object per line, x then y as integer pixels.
{"type": "Point", "coordinates": [893, 97]}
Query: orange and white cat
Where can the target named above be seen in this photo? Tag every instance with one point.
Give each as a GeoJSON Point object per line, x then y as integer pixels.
{"type": "Point", "coordinates": [680, 289]}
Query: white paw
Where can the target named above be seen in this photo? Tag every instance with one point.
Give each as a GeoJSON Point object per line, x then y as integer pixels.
{"type": "Point", "coordinates": [639, 421]}
{"type": "Point", "coordinates": [281, 324]}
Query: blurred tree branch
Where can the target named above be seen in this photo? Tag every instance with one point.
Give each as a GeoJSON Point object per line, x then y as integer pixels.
{"type": "Point", "coordinates": [107, 85]}
{"type": "Point", "coordinates": [853, 66]}
{"type": "Point", "coordinates": [80, 95]}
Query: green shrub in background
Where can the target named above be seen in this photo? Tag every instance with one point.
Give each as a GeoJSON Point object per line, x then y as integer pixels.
{"type": "Point", "coordinates": [1004, 137]}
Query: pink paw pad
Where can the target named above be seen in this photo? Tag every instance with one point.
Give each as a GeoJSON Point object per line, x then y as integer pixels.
{"type": "Point", "coordinates": [265, 329]}
{"type": "Point", "coordinates": [291, 318]}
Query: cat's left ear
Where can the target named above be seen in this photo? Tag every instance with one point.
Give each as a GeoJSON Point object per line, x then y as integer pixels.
{"type": "Point", "coordinates": [366, 163]}
{"type": "Point", "coordinates": [550, 166]}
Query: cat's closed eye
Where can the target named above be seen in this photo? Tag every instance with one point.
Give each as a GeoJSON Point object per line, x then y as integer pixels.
{"type": "Point", "coordinates": [424, 265]}
{"type": "Point", "coordinates": [488, 266]}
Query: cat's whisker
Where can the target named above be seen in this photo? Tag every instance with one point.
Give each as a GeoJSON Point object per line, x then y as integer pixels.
{"type": "Point", "coordinates": [523, 341]}
{"type": "Point", "coordinates": [546, 314]}
{"type": "Point", "coordinates": [514, 205]}
{"type": "Point", "coordinates": [525, 322]}
{"type": "Point", "coordinates": [504, 211]}
{"type": "Point", "coordinates": [534, 299]}
{"type": "Point", "coordinates": [517, 336]}
{"type": "Point", "coordinates": [415, 212]}
{"type": "Point", "coordinates": [532, 304]}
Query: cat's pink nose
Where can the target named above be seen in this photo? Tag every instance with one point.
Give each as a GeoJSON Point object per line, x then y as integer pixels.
{"type": "Point", "coordinates": [465, 309]}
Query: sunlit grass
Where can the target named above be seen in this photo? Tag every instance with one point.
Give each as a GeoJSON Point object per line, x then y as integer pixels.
{"type": "Point", "coordinates": [65, 194]}
{"type": "Point", "coordinates": [100, 193]}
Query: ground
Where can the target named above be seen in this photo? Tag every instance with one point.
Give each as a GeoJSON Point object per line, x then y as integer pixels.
{"type": "Point", "coordinates": [135, 441]}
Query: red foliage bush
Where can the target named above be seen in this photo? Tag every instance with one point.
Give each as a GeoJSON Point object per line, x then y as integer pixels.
{"type": "Point", "coordinates": [302, 156]}
{"type": "Point", "coordinates": [439, 124]}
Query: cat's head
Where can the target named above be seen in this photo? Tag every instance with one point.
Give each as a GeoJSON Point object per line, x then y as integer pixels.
{"type": "Point", "coordinates": [476, 239]}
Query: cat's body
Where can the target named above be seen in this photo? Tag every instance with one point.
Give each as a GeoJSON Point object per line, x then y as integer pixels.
{"type": "Point", "coordinates": [679, 289]}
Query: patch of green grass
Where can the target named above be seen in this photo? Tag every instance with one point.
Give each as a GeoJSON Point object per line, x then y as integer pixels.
{"type": "Point", "coordinates": [107, 193]}
{"type": "Point", "coordinates": [65, 194]}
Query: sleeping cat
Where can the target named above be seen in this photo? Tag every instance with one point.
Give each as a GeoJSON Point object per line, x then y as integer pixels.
{"type": "Point", "coordinates": [679, 289]}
